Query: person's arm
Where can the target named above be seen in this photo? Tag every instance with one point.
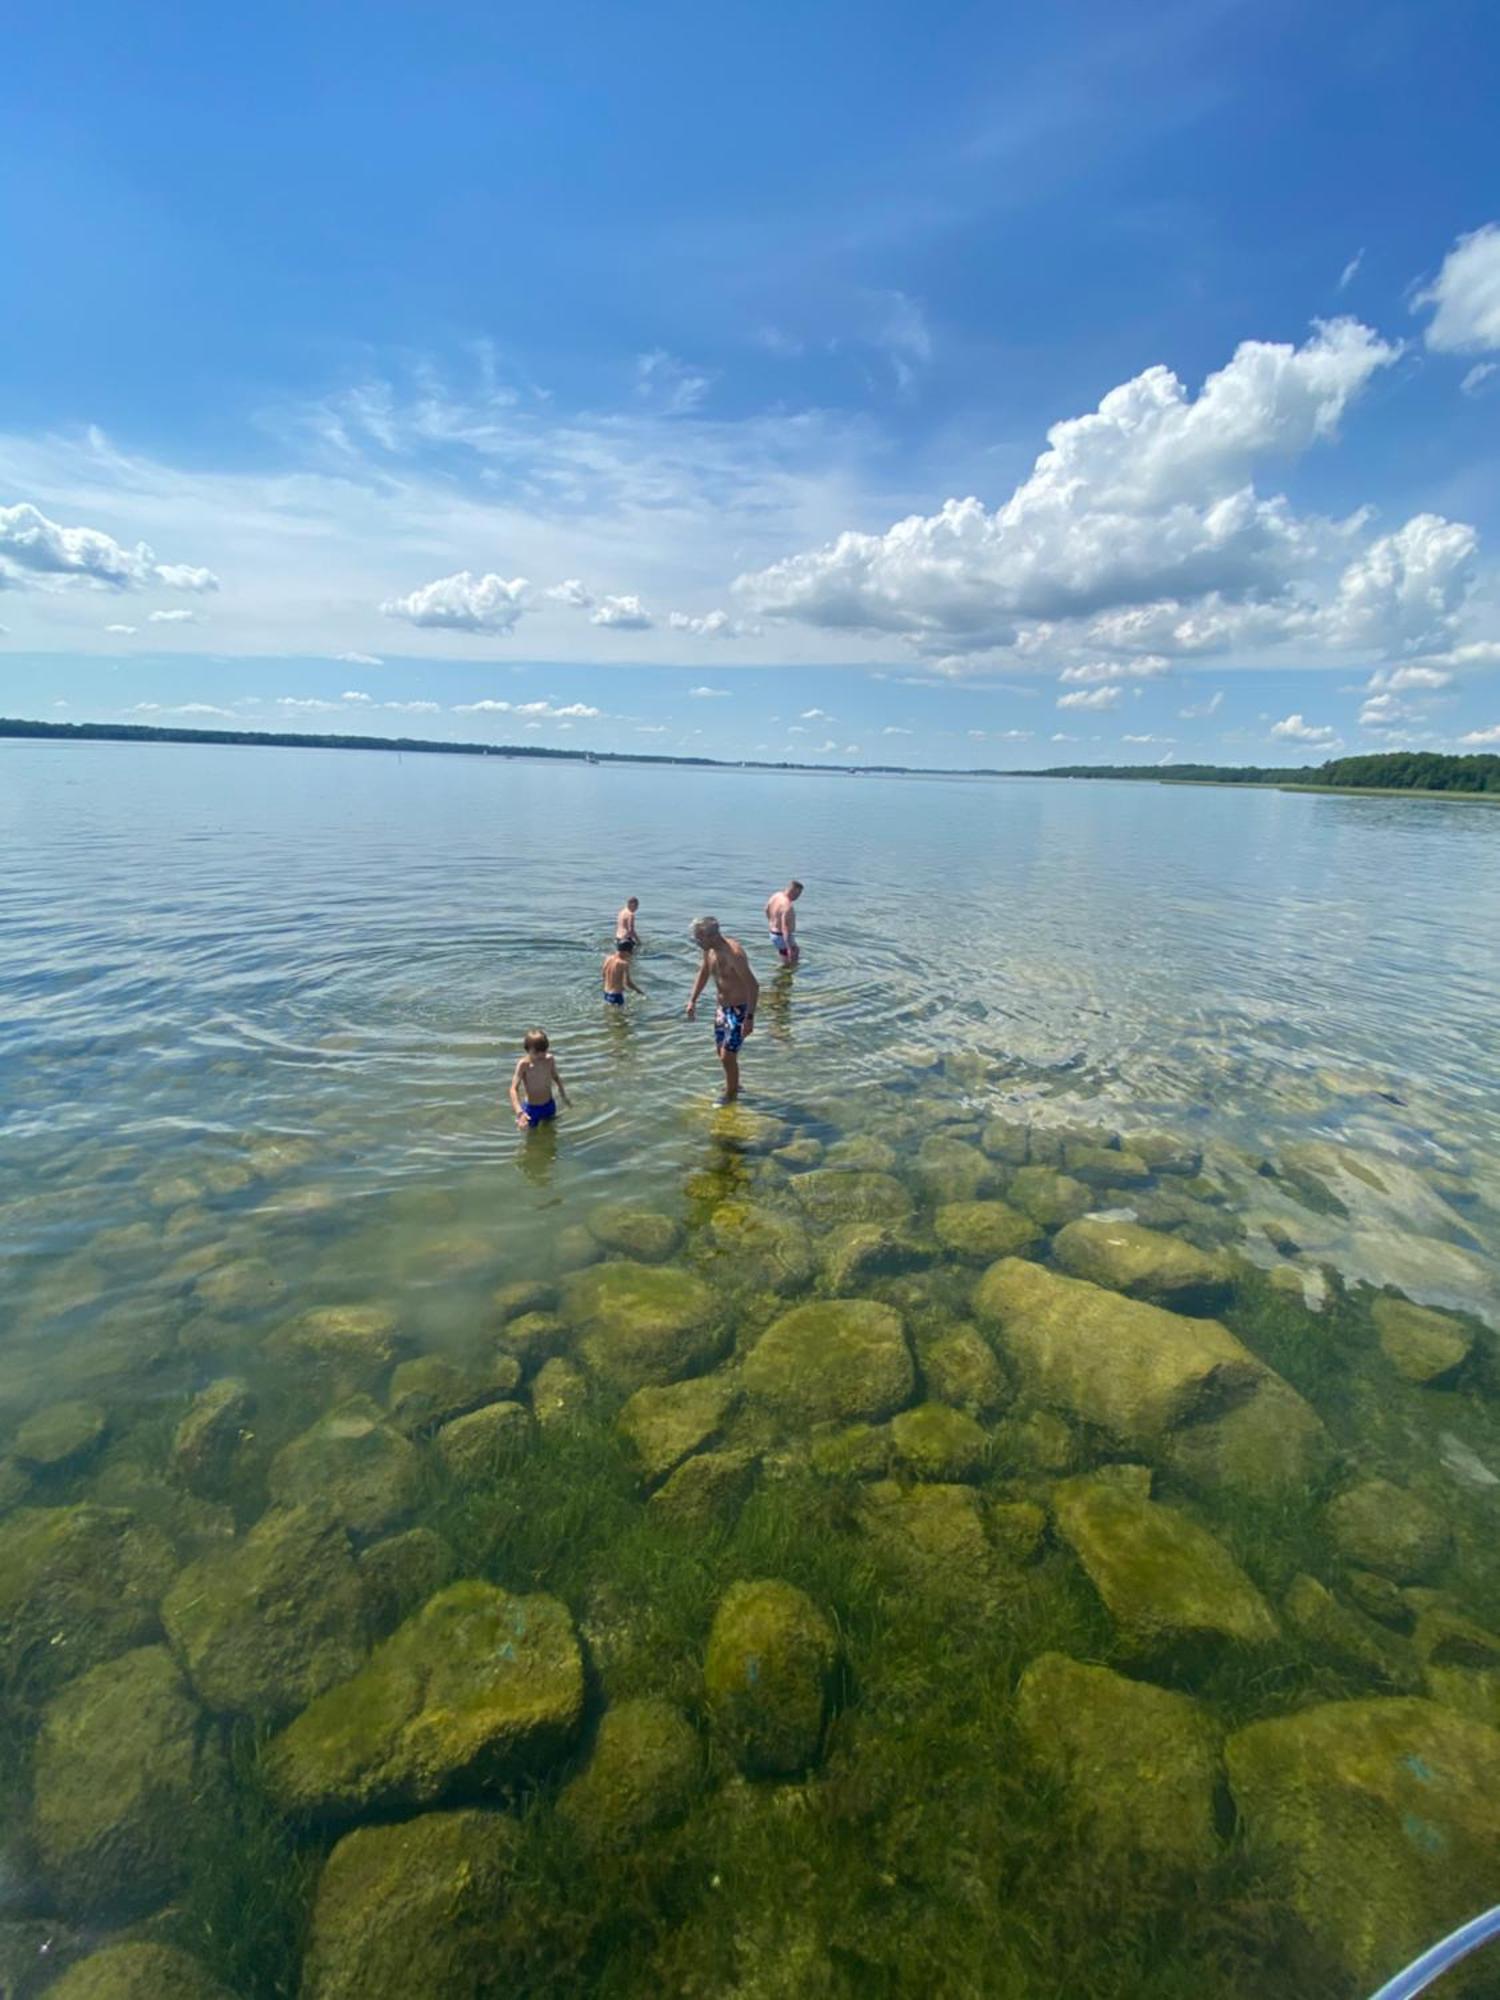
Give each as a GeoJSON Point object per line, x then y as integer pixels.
{"type": "Point", "coordinates": [754, 1000]}
{"type": "Point", "coordinates": [789, 922]}
{"type": "Point", "coordinates": [631, 984]}
{"type": "Point", "coordinates": [698, 985]}
{"type": "Point", "coordinates": [562, 1088]}
{"type": "Point", "coordinates": [515, 1095]}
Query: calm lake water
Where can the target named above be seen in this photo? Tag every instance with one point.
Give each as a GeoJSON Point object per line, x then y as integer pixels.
{"type": "Point", "coordinates": [260, 1010]}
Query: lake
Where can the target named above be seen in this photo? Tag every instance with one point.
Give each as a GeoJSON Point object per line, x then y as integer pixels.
{"type": "Point", "coordinates": [981, 1516]}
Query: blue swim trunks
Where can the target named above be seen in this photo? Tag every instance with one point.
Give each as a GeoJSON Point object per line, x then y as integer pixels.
{"type": "Point", "coordinates": [778, 938]}
{"type": "Point", "coordinates": [538, 1114]}
{"type": "Point", "coordinates": [613, 999]}
{"type": "Point", "coordinates": [729, 1028]}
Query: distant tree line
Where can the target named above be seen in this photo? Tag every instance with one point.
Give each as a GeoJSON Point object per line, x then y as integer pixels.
{"type": "Point", "coordinates": [1385, 771]}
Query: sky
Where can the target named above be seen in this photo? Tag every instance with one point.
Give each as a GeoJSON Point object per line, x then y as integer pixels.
{"type": "Point", "coordinates": [991, 387]}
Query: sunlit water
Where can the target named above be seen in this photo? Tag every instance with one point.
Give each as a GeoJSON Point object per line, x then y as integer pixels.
{"type": "Point", "coordinates": [260, 1009]}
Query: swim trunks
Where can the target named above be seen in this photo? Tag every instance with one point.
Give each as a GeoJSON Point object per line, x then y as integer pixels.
{"type": "Point", "coordinates": [729, 1028]}
{"type": "Point", "coordinates": [621, 942]}
{"type": "Point", "coordinates": [779, 939]}
{"type": "Point", "coordinates": [613, 999]}
{"type": "Point", "coordinates": [538, 1114]}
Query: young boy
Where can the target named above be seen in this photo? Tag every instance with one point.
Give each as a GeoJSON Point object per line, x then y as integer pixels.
{"type": "Point", "coordinates": [625, 921]}
{"type": "Point", "coordinates": [617, 973]}
{"type": "Point", "coordinates": [536, 1078]}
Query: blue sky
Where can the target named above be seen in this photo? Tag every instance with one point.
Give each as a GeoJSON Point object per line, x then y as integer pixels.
{"type": "Point", "coordinates": [1009, 387]}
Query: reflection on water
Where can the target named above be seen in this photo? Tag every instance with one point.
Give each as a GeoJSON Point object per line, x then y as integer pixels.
{"type": "Point", "coordinates": [1021, 1335]}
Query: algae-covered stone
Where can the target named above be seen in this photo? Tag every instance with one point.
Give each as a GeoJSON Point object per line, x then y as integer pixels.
{"type": "Point", "coordinates": [936, 1442]}
{"type": "Point", "coordinates": [1144, 1264]}
{"type": "Point", "coordinates": [1446, 1638]}
{"type": "Point", "coordinates": [480, 1689]}
{"type": "Point", "coordinates": [411, 1909]}
{"type": "Point", "coordinates": [1138, 1764]}
{"type": "Point", "coordinates": [635, 1232]}
{"type": "Point", "coordinates": [707, 1489]}
{"type": "Point", "coordinates": [1342, 1634]}
{"type": "Point", "coordinates": [830, 1196]}
{"type": "Point", "coordinates": [474, 1448]}
{"type": "Point", "coordinates": [532, 1338]}
{"type": "Point", "coordinates": [851, 1451]}
{"type": "Point", "coordinates": [1166, 1582]}
{"type": "Point", "coordinates": [645, 1769]}
{"type": "Point", "coordinates": [431, 1390]}
{"type": "Point", "coordinates": [1005, 1139]}
{"type": "Point", "coordinates": [669, 1424]}
{"type": "Point", "coordinates": [1047, 1196]}
{"type": "Point", "coordinates": [558, 1393]}
{"type": "Point", "coordinates": [399, 1574]}
{"type": "Point", "coordinates": [1017, 1528]}
{"type": "Point", "coordinates": [265, 1625]}
{"type": "Point", "coordinates": [1038, 1442]}
{"type": "Point", "coordinates": [932, 1535]}
{"type": "Point", "coordinates": [863, 1152]}
{"type": "Point", "coordinates": [522, 1295]}
{"type": "Point", "coordinates": [120, 1759]}
{"type": "Point", "coordinates": [1386, 1813]}
{"type": "Point", "coordinates": [799, 1154]}
{"type": "Point", "coordinates": [643, 1324]}
{"type": "Point", "coordinates": [767, 1675]}
{"type": "Point", "coordinates": [981, 1231]}
{"type": "Point", "coordinates": [959, 1368]}
{"type": "Point", "coordinates": [77, 1586]}
{"type": "Point", "coordinates": [15, 1484]}
{"type": "Point", "coordinates": [210, 1439]}
{"type": "Point", "coordinates": [1134, 1370]}
{"type": "Point", "coordinates": [1271, 1444]}
{"type": "Point", "coordinates": [343, 1343]}
{"type": "Point", "coordinates": [952, 1171]}
{"type": "Point", "coordinates": [1165, 1153]}
{"type": "Point", "coordinates": [1103, 1166]}
{"type": "Point", "coordinates": [860, 1251]}
{"type": "Point", "coordinates": [353, 1462]}
{"type": "Point", "coordinates": [1383, 1527]}
{"type": "Point", "coordinates": [61, 1436]}
{"type": "Point", "coordinates": [837, 1360]}
{"type": "Point", "coordinates": [239, 1285]}
{"type": "Point", "coordinates": [1420, 1343]}
{"type": "Point", "coordinates": [765, 1249]}
{"type": "Point", "coordinates": [138, 1972]}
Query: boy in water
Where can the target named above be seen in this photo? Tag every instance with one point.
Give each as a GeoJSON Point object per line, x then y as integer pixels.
{"type": "Point", "coordinates": [531, 1088]}
{"type": "Point", "coordinates": [625, 923]}
{"type": "Point", "coordinates": [617, 973]}
{"type": "Point", "coordinates": [781, 915]}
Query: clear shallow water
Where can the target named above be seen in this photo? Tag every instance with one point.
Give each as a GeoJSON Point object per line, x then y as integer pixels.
{"type": "Point", "coordinates": [260, 1011]}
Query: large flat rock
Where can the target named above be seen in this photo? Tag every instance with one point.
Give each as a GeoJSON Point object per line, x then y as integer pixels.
{"type": "Point", "coordinates": [833, 1361]}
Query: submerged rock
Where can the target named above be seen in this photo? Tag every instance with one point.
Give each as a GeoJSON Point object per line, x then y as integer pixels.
{"type": "Point", "coordinates": [1387, 1813]}
{"type": "Point", "coordinates": [1048, 1197]}
{"type": "Point", "coordinates": [1382, 1527]}
{"type": "Point", "coordinates": [1138, 1764]}
{"type": "Point", "coordinates": [643, 1324]}
{"type": "Point", "coordinates": [981, 1231]}
{"type": "Point", "coordinates": [345, 1344]}
{"type": "Point", "coordinates": [1164, 1153]}
{"type": "Point", "coordinates": [399, 1574]}
{"type": "Point", "coordinates": [265, 1625]}
{"type": "Point", "coordinates": [1005, 1139]}
{"type": "Point", "coordinates": [764, 1249]}
{"type": "Point", "coordinates": [474, 1448]}
{"type": "Point", "coordinates": [851, 1451]}
{"type": "Point", "coordinates": [431, 1390]}
{"type": "Point", "coordinates": [532, 1338]}
{"type": "Point", "coordinates": [933, 1536]}
{"type": "Point", "coordinates": [960, 1369]}
{"type": "Point", "coordinates": [61, 1436]}
{"type": "Point", "coordinates": [208, 1443]}
{"type": "Point", "coordinates": [352, 1462]}
{"type": "Point", "coordinates": [644, 1772]}
{"type": "Point", "coordinates": [411, 1909]}
{"type": "Point", "coordinates": [77, 1586]}
{"type": "Point", "coordinates": [1271, 1444]}
{"type": "Point", "coordinates": [1145, 1264]}
{"type": "Point", "coordinates": [1423, 1345]}
{"type": "Point", "coordinates": [767, 1676]}
{"type": "Point", "coordinates": [1344, 1635]}
{"type": "Point", "coordinates": [861, 1251]}
{"type": "Point", "coordinates": [1166, 1582]}
{"type": "Point", "coordinates": [480, 1689]}
{"type": "Point", "coordinates": [707, 1489]}
{"type": "Point", "coordinates": [936, 1442]}
{"type": "Point", "coordinates": [558, 1394]}
{"type": "Point", "coordinates": [120, 1758]}
{"type": "Point", "coordinates": [832, 1361]}
{"type": "Point", "coordinates": [635, 1232]}
{"type": "Point", "coordinates": [523, 1295]}
{"type": "Point", "coordinates": [668, 1425]}
{"type": "Point", "coordinates": [138, 1972]}
{"type": "Point", "coordinates": [951, 1171]}
{"type": "Point", "coordinates": [864, 1153]}
{"type": "Point", "coordinates": [830, 1196]}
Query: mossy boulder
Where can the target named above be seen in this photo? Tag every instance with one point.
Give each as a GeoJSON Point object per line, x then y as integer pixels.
{"type": "Point", "coordinates": [1006, 1140]}
{"type": "Point", "coordinates": [1169, 1586]}
{"type": "Point", "coordinates": [1103, 1166]}
{"type": "Point", "coordinates": [1420, 1343]}
{"type": "Point", "coordinates": [138, 1972]}
{"type": "Point", "coordinates": [831, 1197]}
{"type": "Point", "coordinates": [1376, 1525]}
{"type": "Point", "coordinates": [669, 1424]}
{"type": "Point", "coordinates": [411, 1909]}
{"type": "Point", "coordinates": [949, 1170]}
{"type": "Point", "coordinates": [862, 1152]}
{"type": "Point", "coordinates": [837, 1360]}
{"type": "Point", "coordinates": [522, 1295]}
{"type": "Point", "coordinates": [932, 1536]}
{"type": "Point", "coordinates": [208, 1445]}
{"type": "Point", "coordinates": [1050, 1198]}
{"type": "Point", "coordinates": [635, 1232]}
{"type": "Point", "coordinates": [532, 1338]}
{"type": "Point", "coordinates": [1345, 1636]}
{"type": "Point", "coordinates": [559, 1393]}
{"type": "Point", "coordinates": [61, 1436]}
{"type": "Point", "coordinates": [1166, 1153]}
{"type": "Point", "coordinates": [1133, 1370]}
{"type": "Point", "coordinates": [1144, 1264]}
{"type": "Point", "coordinates": [767, 1677]}
{"type": "Point", "coordinates": [431, 1390]}
{"type": "Point", "coordinates": [1038, 1442]}
{"type": "Point", "coordinates": [77, 1586]}
{"type": "Point", "coordinates": [479, 1689]}
{"type": "Point", "coordinates": [399, 1574]}
{"type": "Point", "coordinates": [960, 1369]}
{"type": "Point", "coordinates": [120, 1758]}
{"type": "Point", "coordinates": [980, 1231]}
{"type": "Point", "coordinates": [761, 1247]}
{"type": "Point", "coordinates": [1273, 1444]}
{"type": "Point", "coordinates": [644, 1772]}
{"type": "Point", "coordinates": [858, 1253]}
{"type": "Point", "coordinates": [707, 1489]}
{"type": "Point", "coordinates": [348, 1345]}
{"type": "Point", "coordinates": [1138, 1765]}
{"type": "Point", "coordinates": [799, 1154]}
{"type": "Point", "coordinates": [265, 1625]}
{"type": "Point", "coordinates": [933, 1441]}
{"type": "Point", "coordinates": [474, 1448]}
{"type": "Point", "coordinates": [1386, 1816]}
{"type": "Point", "coordinates": [851, 1451]}
{"type": "Point", "coordinates": [355, 1464]}
{"type": "Point", "coordinates": [643, 1324]}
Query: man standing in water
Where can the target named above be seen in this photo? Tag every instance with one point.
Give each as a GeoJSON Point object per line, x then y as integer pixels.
{"type": "Point", "coordinates": [738, 989]}
{"type": "Point", "coordinates": [782, 918]}
{"type": "Point", "coordinates": [625, 923]}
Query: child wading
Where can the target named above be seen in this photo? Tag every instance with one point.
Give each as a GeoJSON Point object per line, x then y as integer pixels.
{"type": "Point", "coordinates": [537, 1077]}
{"type": "Point", "coordinates": [617, 973]}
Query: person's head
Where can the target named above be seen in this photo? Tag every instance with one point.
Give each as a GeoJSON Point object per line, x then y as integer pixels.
{"type": "Point", "coordinates": [535, 1042]}
{"type": "Point", "coordinates": [632, 902]}
{"type": "Point", "coordinates": [706, 932]}
{"type": "Point", "coordinates": [625, 947]}
{"type": "Point", "coordinates": [794, 889]}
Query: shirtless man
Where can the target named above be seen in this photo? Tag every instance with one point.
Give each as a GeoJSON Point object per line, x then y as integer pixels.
{"type": "Point", "coordinates": [738, 989]}
{"type": "Point", "coordinates": [616, 974]}
{"type": "Point", "coordinates": [625, 922]}
{"type": "Point", "coordinates": [782, 918]}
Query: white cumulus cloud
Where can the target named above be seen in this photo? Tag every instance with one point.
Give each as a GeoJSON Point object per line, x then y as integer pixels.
{"type": "Point", "coordinates": [33, 548]}
{"type": "Point", "coordinates": [1476, 738]}
{"type": "Point", "coordinates": [1404, 593]}
{"type": "Point", "coordinates": [708, 694]}
{"type": "Point", "coordinates": [1196, 711]}
{"type": "Point", "coordinates": [1101, 697]}
{"type": "Point", "coordinates": [1150, 668]}
{"type": "Point", "coordinates": [463, 603]}
{"type": "Point", "coordinates": [359, 660]}
{"type": "Point", "coordinates": [712, 624]}
{"type": "Point", "coordinates": [125, 631]}
{"type": "Point", "coordinates": [623, 614]}
{"type": "Point", "coordinates": [891, 729]}
{"type": "Point", "coordinates": [1465, 296]}
{"type": "Point", "coordinates": [172, 618]}
{"type": "Point", "coordinates": [1399, 679]}
{"type": "Point", "coordinates": [353, 694]}
{"type": "Point", "coordinates": [571, 591]}
{"type": "Point", "coordinates": [1296, 729]}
